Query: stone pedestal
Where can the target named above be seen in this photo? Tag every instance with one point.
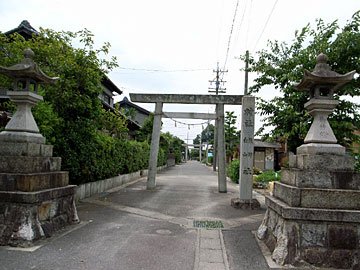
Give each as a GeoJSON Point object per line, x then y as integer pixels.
{"type": "Point", "coordinates": [35, 198]}
{"type": "Point", "coordinates": [313, 217]}
{"type": "Point", "coordinates": [245, 204]}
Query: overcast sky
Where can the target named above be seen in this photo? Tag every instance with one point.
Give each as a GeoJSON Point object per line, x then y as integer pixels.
{"type": "Point", "coordinates": [172, 35]}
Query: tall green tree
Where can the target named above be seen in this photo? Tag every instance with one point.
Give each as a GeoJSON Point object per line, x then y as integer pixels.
{"type": "Point", "coordinates": [232, 135]}
{"type": "Point", "coordinates": [282, 64]}
{"type": "Point", "coordinates": [71, 116]}
{"type": "Point", "coordinates": [207, 135]}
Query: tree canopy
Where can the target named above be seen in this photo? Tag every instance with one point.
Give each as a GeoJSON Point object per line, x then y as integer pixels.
{"type": "Point", "coordinates": [282, 64]}
{"type": "Point", "coordinates": [207, 135]}
{"type": "Point", "coordinates": [232, 135]}
{"type": "Point", "coordinates": [72, 117]}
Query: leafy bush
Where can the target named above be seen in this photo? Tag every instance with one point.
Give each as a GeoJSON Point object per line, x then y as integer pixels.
{"type": "Point", "coordinates": [233, 170]}
{"type": "Point", "coordinates": [178, 156]}
{"type": "Point", "coordinates": [257, 171]}
{"type": "Point", "coordinates": [162, 156]}
{"type": "Point", "coordinates": [355, 154]}
{"type": "Point", "coordinates": [268, 176]}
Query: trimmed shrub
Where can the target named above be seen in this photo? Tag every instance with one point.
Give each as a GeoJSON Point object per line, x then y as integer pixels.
{"type": "Point", "coordinates": [162, 156]}
{"type": "Point", "coordinates": [268, 176]}
{"type": "Point", "coordinates": [257, 171]}
{"type": "Point", "coordinates": [233, 170]}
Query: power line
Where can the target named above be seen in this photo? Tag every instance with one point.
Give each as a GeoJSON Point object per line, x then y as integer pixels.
{"type": "Point", "coordinates": [231, 30]}
{"type": "Point", "coordinates": [266, 23]}
{"type": "Point", "coordinates": [241, 22]}
{"type": "Point", "coordinates": [163, 70]}
{"type": "Point", "coordinates": [220, 21]}
{"type": "Point", "coordinates": [249, 23]}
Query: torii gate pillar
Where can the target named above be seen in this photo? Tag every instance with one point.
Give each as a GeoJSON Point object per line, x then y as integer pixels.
{"type": "Point", "coordinates": [154, 149]}
{"type": "Point", "coordinates": [221, 149]}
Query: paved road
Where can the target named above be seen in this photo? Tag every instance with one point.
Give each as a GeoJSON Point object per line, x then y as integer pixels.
{"type": "Point", "coordinates": [133, 228]}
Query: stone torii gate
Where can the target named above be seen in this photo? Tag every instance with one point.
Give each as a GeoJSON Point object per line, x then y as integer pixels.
{"type": "Point", "coordinates": [160, 99]}
{"type": "Point", "coordinates": [190, 115]}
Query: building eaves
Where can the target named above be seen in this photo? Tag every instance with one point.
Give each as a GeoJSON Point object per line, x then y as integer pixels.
{"type": "Point", "coordinates": [24, 29]}
{"type": "Point", "coordinates": [110, 85]}
{"type": "Point", "coordinates": [126, 101]}
{"type": "Point", "coordinates": [259, 143]}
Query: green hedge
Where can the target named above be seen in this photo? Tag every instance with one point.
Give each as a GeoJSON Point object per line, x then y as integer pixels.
{"type": "Point", "coordinates": [102, 156]}
{"type": "Point", "coordinates": [268, 176]}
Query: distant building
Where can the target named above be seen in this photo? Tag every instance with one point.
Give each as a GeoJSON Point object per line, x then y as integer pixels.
{"type": "Point", "coordinates": [140, 113]}
{"type": "Point", "coordinates": [266, 155]}
{"type": "Point", "coordinates": [107, 96]}
{"type": "Point", "coordinates": [24, 29]}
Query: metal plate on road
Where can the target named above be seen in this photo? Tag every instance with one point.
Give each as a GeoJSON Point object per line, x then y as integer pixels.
{"type": "Point", "coordinates": [208, 224]}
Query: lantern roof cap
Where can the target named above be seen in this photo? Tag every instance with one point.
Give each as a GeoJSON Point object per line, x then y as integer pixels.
{"type": "Point", "coordinates": [27, 68]}
{"type": "Point", "coordinates": [323, 74]}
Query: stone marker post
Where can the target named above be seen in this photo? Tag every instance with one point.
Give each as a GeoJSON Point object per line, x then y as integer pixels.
{"type": "Point", "coordinates": [35, 198]}
{"type": "Point", "coordinates": [245, 201]}
{"type": "Point", "coordinates": [313, 216]}
{"type": "Point", "coordinates": [154, 148]}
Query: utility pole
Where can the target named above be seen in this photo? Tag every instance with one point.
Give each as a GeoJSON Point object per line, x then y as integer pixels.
{"type": "Point", "coordinates": [218, 90]}
{"type": "Point", "coordinates": [246, 72]}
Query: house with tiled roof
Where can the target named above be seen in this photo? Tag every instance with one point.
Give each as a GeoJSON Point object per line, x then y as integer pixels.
{"type": "Point", "coordinates": [24, 29]}
{"type": "Point", "coordinates": [140, 114]}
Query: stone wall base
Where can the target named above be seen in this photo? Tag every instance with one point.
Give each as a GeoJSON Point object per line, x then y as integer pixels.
{"type": "Point", "coordinates": [328, 244]}
{"type": "Point", "coordinates": [31, 216]}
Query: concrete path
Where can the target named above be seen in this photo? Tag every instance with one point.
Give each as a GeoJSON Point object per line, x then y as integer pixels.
{"type": "Point", "coordinates": [134, 228]}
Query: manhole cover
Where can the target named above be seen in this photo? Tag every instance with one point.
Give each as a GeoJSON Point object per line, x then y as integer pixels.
{"type": "Point", "coordinates": [208, 224]}
{"type": "Point", "coordinates": [166, 232]}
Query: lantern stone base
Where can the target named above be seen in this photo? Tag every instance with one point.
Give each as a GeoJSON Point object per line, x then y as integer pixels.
{"type": "Point", "coordinates": [320, 148]}
{"type": "Point", "coordinates": [35, 196]}
{"type": "Point", "coordinates": [21, 136]}
{"type": "Point", "coordinates": [245, 204]}
{"type": "Point", "coordinates": [313, 217]}
{"type": "Point", "coordinates": [311, 237]}
{"type": "Point", "coordinates": [29, 216]}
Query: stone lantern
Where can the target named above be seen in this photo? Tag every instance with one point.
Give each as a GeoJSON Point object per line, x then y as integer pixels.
{"type": "Point", "coordinates": [313, 214]}
{"type": "Point", "coordinates": [35, 196]}
{"type": "Point", "coordinates": [26, 77]}
{"type": "Point", "coordinates": [322, 83]}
